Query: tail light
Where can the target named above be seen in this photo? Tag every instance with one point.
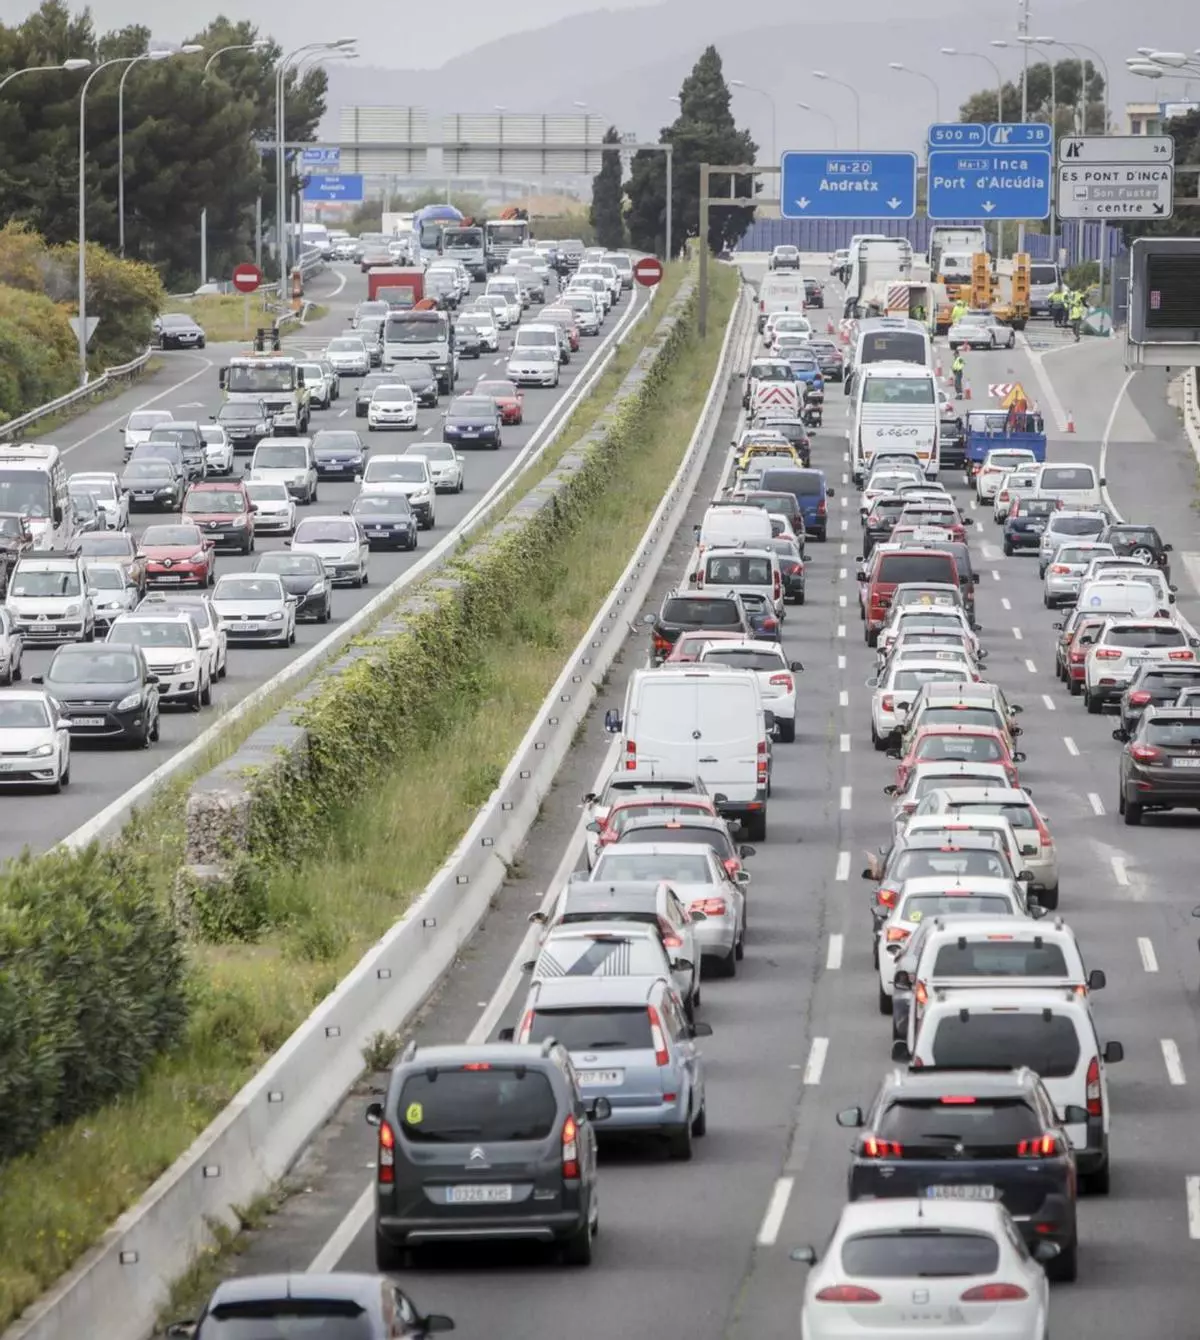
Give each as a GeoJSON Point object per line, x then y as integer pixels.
{"type": "Point", "coordinates": [785, 682]}
{"type": "Point", "coordinates": [669, 938]}
{"type": "Point", "coordinates": [897, 935]}
{"type": "Point", "coordinates": [761, 778]}
{"type": "Point", "coordinates": [387, 1154]}
{"type": "Point", "coordinates": [1044, 837]}
{"type": "Point", "coordinates": [886, 897]}
{"type": "Point", "coordinates": [700, 577]}
{"type": "Point", "coordinates": [1180, 656]}
{"type": "Point", "coordinates": [874, 1148]}
{"type": "Point", "coordinates": [873, 519]}
{"type": "Point", "coordinates": [921, 996]}
{"type": "Point", "coordinates": [888, 703]}
{"type": "Point", "coordinates": [1140, 698]}
{"type": "Point", "coordinates": [1077, 656]}
{"type": "Point", "coordinates": [526, 1027]}
{"type": "Point", "coordinates": [1004, 495]}
{"type": "Point", "coordinates": [661, 1056]}
{"type": "Point", "coordinates": [1044, 1147]}
{"type": "Point", "coordinates": [1107, 654]}
{"type": "Point", "coordinates": [1095, 1101]}
{"type": "Point", "coordinates": [821, 508]}
{"type": "Point", "coordinates": [847, 1293]}
{"type": "Point", "coordinates": [777, 587]}
{"type": "Point", "coordinates": [770, 624]}
{"type": "Point", "coordinates": [732, 865]}
{"type": "Point", "coordinates": [570, 1149]}
{"type": "Point", "coordinates": [630, 756]}
{"type": "Point", "coordinates": [994, 1293]}
{"type": "Point", "coordinates": [711, 907]}
{"type": "Point", "coordinates": [1060, 568]}
{"type": "Point", "coordinates": [1145, 753]}
{"type": "Point", "coordinates": [762, 306]}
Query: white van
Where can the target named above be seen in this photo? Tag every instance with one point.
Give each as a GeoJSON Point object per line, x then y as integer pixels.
{"type": "Point", "coordinates": [746, 570]}
{"type": "Point", "coordinates": [1139, 600]}
{"type": "Point", "coordinates": [731, 526]}
{"type": "Point", "coordinates": [779, 293]}
{"type": "Point", "coordinates": [1076, 483]}
{"type": "Point", "coordinates": [895, 407]}
{"type": "Point", "coordinates": [701, 723]}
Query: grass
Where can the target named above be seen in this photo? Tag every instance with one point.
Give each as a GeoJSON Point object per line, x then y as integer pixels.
{"type": "Point", "coordinates": [247, 999]}
{"type": "Point", "coordinates": [229, 318]}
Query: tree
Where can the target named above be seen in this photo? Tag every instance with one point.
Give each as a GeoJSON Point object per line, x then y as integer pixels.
{"type": "Point", "coordinates": [982, 106]}
{"type": "Point", "coordinates": [703, 132]}
{"type": "Point", "coordinates": [607, 213]}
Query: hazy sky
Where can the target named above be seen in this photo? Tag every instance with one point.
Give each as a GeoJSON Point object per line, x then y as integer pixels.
{"type": "Point", "coordinates": [444, 30]}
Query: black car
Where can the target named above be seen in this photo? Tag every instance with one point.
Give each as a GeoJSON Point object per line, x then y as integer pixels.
{"type": "Point", "coordinates": [177, 330]}
{"type": "Point", "coordinates": [467, 340]}
{"type": "Point", "coordinates": [341, 1306]}
{"type": "Point", "coordinates": [369, 385]}
{"type": "Point", "coordinates": [685, 611]}
{"type": "Point", "coordinates": [779, 503]}
{"type": "Point", "coordinates": [1024, 526]}
{"type": "Point", "coordinates": [106, 690]}
{"type": "Point", "coordinates": [881, 520]}
{"type": "Point", "coordinates": [1154, 686]}
{"type": "Point", "coordinates": [190, 441]}
{"type": "Point", "coordinates": [388, 519]}
{"type": "Point", "coordinates": [246, 423]}
{"type": "Point", "coordinates": [303, 576]}
{"type": "Point", "coordinates": [1141, 542]}
{"type": "Point", "coordinates": [1160, 763]}
{"type": "Point", "coordinates": [814, 294]}
{"type": "Point", "coordinates": [515, 1102]}
{"type": "Point", "coordinates": [153, 482]}
{"type": "Point", "coordinates": [339, 453]}
{"type": "Point", "coordinates": [952, 444]}
{"type": "Point", "coordinates": [791, 566]}
{"type": "Point", "coordinates": [472, 420]}
{"type": "Point", "coordinates": [421, 380]}
{"type": "Point", "coordinates": [968, 578]}
{"type": "Point", "coordinates": [943, 1132]}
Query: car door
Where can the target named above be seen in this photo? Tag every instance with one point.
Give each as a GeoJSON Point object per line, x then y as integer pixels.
{"type": "Point", "coordinates": [364, 547]}
{"type": "Point", "coordinates": [683, 1046]}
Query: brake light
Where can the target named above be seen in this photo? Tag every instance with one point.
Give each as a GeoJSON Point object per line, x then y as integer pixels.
{"type": "Point", "coordinates": [956, 1100]}
{"type": "Point", "coordinates": [777, 585]}
{"type": "Point", "coordinates": [821, 509]}
{"type": "Point", "coordinates": [873, 519]}
{"type": "Point", "coordinates": [1044, 1147]}
{"type": "Point", "coordinates": [1180, 656]}
{"type": "Point", "coordinates": [875, 1148]}
{"type": "Point", "coordinates": [1043, 832]}
{"type": "Point", "coordinates": [888, 703]}
{"type": "Point", "coordinates": [886, 897]}
{"type": "Point", "coordinates": [477, 1065]}
{"type": "Point", "coordinates": [630, 756]}
{"type": "Point", "coordinates": [1095, 1101]}
{"type": "Point", "coordinates": [762, 763]}
{"type": "Point", "coordinates": [1060, 568]}
{"type": "Point", "coordinates": [897, 935]}
{"type": "Point", "coordinates": [1077, 656]}
{"type": "Point", "coordinates": [1140, 698]}
{"type": "Point", "coordinates": [1145, 753]}
{"type": "Point", "coordinates": [783, 681]}
{"type": "Point", "coordinates": [921, 996]}
{"type": "Point", "coordinates": [711, 907]}
{"type": "Point", "coordinates": [847, 1293]}
{"type": "Point", "coordinates": [656, 1037]}
{"type": "Point", "coordinates": [1107, 654]}
{"type": "Point", "coordinates": [387, 1154]}
{"type": "Point", "coordinates": [770, 623]}
{"type": "Point", "coordinates": [994, 1293]}
{"type": "Point", "coordinates": [1004, 495]}
{"type": "Point", "coordinates": [570, 1149]}
{"type": "Point", "coordinates": [526, 1027]}
{"type": "Point", "coordinates": [700, 577]}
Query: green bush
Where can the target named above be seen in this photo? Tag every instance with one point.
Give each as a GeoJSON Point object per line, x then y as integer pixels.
{"type": "Point", "coordinates": [92, 988]}
{"type": "Point", "coordinates": [38, 353]}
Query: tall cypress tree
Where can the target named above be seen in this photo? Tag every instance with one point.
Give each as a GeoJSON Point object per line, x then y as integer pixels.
{"type": "Point", "coordinates": [607, 212]}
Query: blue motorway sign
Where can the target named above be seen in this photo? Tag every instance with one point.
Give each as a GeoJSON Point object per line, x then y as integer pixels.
{"type": "Point", "coordinates": [347, 189]}
{"type": "Point", "coordinates": [1020, 135]}
{"type": "Point", "coordinates": [848, 185]}
{"type": "Point", "coordinates": [326, 158]}
{"type": "Point", "coordinates": [989, 184]}
{"type": "Point", "coordinates": [957, 135]}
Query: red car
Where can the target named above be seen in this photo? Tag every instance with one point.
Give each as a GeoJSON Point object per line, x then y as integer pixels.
{"type": "Point", "coordinates": [223, 511]}
{"type": "Point", "coordinates": [178, 554]}
{"type": "Point", "coordinates": [688, 645]}
{"type": "Point", "coordinates": [510, 399]}
{"type": "Point", "coordinates": [957, 744]}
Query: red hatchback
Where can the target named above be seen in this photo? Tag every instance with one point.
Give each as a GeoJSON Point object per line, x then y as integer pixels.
{"type": "Point", "coordinates": [178, 554]}
{"type": "Point", "coordinates": [957, 744]}
{"type": "Point", "coordinates": [223, 511]}
{"type": "Point", "coordinates": [510, 399]}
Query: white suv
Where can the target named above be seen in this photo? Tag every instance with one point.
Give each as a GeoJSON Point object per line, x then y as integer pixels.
{"type": "Point", "coordinates": [776, 676]}
{"type": "Point", "coordinates": [1123, 646]}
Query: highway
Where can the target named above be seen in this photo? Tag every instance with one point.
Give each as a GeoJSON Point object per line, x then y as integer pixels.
{"type": "Point", "coordinates": [187, 386]}
{"type": "Point", "coordinates": [701, 1249]}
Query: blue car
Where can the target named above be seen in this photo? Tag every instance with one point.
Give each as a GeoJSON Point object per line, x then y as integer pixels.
{"type": "Point", "coordinates": [1026, 523]}
{"type": "Point", "coordinates": [472, 421]}
{"type": "Point", "coordinates": [810, 490]}
{"type": "Point", "coordinates": [763, 621]}
{"type": "Point", "coordinates": [806, 369]}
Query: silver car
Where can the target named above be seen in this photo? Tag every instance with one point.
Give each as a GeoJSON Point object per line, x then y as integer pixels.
{"type": "Point", "coordinates": [1067, 528]}
{"type": "Point", "coordinates": [980, 330]}
{"type": "Point", "coordinates": [1066, 568]}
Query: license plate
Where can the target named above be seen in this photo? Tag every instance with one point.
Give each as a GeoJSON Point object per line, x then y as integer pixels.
{"type": "Point", "coordinates": [144, 497]}
{"type": "Point", "coordinates": [1185, 762]}
{"type": "Point", "coordinates": [11, 765]}
{"type": "Point", "coordinates": [478, 1195]}
{"type": "Point", "coordinates": [923, 1316]}
{"type": "Point", "coordinates": [249, 627]}
{"type": "Point", "coordinates": [587, 1077]}
{"type": "Point", "coordinates": [87, 721]}
{"type": "Point", "coordinates": [962, 1192]}
{"type": "Point", "coordinates": [377, 534]}
{"type": "Point", "coordinates": [470, 432]}
{"type": "Point", "coordinates": [167, 577]}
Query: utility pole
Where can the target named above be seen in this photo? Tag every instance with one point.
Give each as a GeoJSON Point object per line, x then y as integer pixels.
{"type": "Point", "coordinates": [1023, 29]}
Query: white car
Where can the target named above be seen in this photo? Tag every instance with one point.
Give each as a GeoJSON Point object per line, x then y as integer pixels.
{"type": "Point", "coordinates": [445, 465]}
{"type": "Point", "coordinates": [170, 643]}
{"type": "Point", "coordinates": [980, 330]}
{"type": "Point", "coordinates": [776, 676]}
{"type": "Point", "coordinates": [255, 607]}
{"type": "Point", "coordinates": [49, 600]}
{"type": "Point", "coordinates": [1015, 484]}
{"type": "Point", "coordinates": [534, 366]}
{"type": "Point", "coordinates": [348, 356]}
{"type": "Point", "coordinates": [274, 508]}
{"type": "Point", "coordinates": [946, 618]}
{"type": "Point", "coordinates": [409, 475]}
{"type": "Point", "coordinates": [12, 646]}
{"type": "Point", "coordinates": [140, 424]}
{"type": "Point", "coordinates": [104, 487]}
{"type": "Point", "coordinates": [906, 1259]}
{"type": "Point", "coordinates": [786, 323]}
{"type": "Point", "coordinates": [319, 385]}
{"type": "Point", "coordinates": [288, 461]}
{"type": "Point", "coordinates": [392, 406]}
{"type": "Point", "coordinates": [585, 308]}
{"type": "Point", "coordinates": [341, 545]}
{"type": "Point", "coordinates": [483, 323]}
{"type": "Point", "coordinates": [497, 304]}
{"type": "Point", "coordinates": [218, 450]}
{"type": "Point", "coordinates": [511, 296]}
{"type": "Point", "coordinates": [1123, 646]}
{"type": "Point", "coordinates": [998, 462]}
{"type": "Point", "coordinates": [113, 590]}
{"type": "Point", "coordinates": [199, 607]}
{"type": "Point", "coordinates": [896, 688]}
{"type": "Point", "coordinates": [35, 742]}
{"type": "Point", "coordinates": [924, 778]}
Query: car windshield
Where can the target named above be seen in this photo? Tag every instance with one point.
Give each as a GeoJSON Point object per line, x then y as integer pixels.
{"type": "Point", "coordinates": [292, 565]}
{"type": "Point", "coordinates": [978, 748]}
{"type": "Point", "coordinates": [94, 488]}
{"type": "Point", "coordinates": [107, 577]}
{"type": "Point", "coordinates": [115, 545]}
{"type": "Point", "coordinates": [44, 582]}
{"type": "Point", "coordinates": [148, 633]}
{"type": "Point", "coordinates": [393, 391]}
{"type": "Point", "coordinates": [23, 714]}
{"type": "Point", "coordinates": [686, 868]}
{"type": "Point", "coordinates": [472, 407]}
{"type": "Point", "coordinates": [745, 658]}
{"type": "Point", "coordinates": [918, 906]}
{"type": "Point", "coordinates": [321, 530]}
{"type": "Point", "coordinates": [173, 536]}
{"type": "Point", "coordinates": [950, 1127]}
{"type": "Point", "coordinates": [380, 505]}
{"type": "Point", "coordinates": [1000, 956]}
{"type": "Point", "coordinates": [433, 451]}
{"type": "Point", "coordinates": [483, 1104]}
{"type": "Point", "coordinates": [95, 666]}
{"type": "Point", "coordinates": [247, 588]}
{"type": "Point", "coordinates": [335, 441]}
{"type": "Point", "coordinates": [148, 469]}
{"type": "Point", "coordinates": [619, 1028]}
{"type": "Point", "coordinates": [1076, 525]}
{"type": "Point", "coordinates": [502, 389]}
{"type": "Point", "coordinates": [403, 470]}
{"type": "Point", "coordinates": [241, 413]}
{"type": "Point", "coordinates": [926, 1254]}
{"type": "Point", "coordinates": [956, 862]}
{"type": "Point", "coordinates": [962, 715]}
{"type": "Point", "coordinates": [603, 954]}
{"type": "Point", "coordinates": [143, 422]}
{"type": "Point", "coordinates": [214, 501]}
{"type": "Point", "coordinates": [289, 1319]}
{"type": "Point", "coordinates": [280, 458]}
{"type": "Point", "coordinates": [173, 433]}
{"type": "Point", "coordinates": [346, 346]}
{"type": "Point", "coordinates": [1179, 734]}
{"type": "Point", "coordinates": [1044, 1040]}
{"type": "Point", "coordinates": [716, 613]}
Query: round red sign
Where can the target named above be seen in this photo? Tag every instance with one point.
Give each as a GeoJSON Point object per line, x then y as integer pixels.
{"type": "Point", "coordinates": [648, 271]}
{"type": "Point", "coordinates": [246, 277]}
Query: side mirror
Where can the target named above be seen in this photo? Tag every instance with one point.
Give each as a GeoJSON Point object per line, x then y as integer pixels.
{"type": "Point", "coordinates": [1121, 735]}
{"type": "Point", "coordinates": [181, 1328]}
{"type": "Point", "coordinates": [873, 682]}
{"type": "Point", "coordinates": [537, 918]}
{"type": "Point", "coordinates": [38, 679]}
{"type": "Point", "coordinates": [1103, 483]}
{"type": "Point", "coordinates": [590, 798]}
{"type": "Point", "coordinates": [1057, 627]}
{"type": "Point", "coordinates": [900, 1051]}
{"type": "Point", "coordinates": [702, 1030]}
{"type": "Point", "coordinates": [1113, 1052]}
{"type": "Point", "coordinates": [1168, 548]}
{"type": "Point", "coordinates": [683, 964]}
{"type": "Point", "coordinates": [598, 1109]}
{"type": "Point", "coordinates": [507, 1034]}
{"type": "Point", "coordinates": [1018, 757]}
{"type": "Point", "coordinates": [807, 1256]}
{"type": "Point", "coordinates": [612, 721]}
{"type": "Point", "coordinates": [594, 826]}
{"type": "Point", "coordinates": [742, 877]}
{"type": "Point", "coordinates": [529, 965]}
{"type": "Point", "coordinates": [851, 1117]}
{"type": "Point", "coordinates": [374, 1114]}
{"type": "Point", "coordinates": [893, 753]}
{"type": "Point", "coordinates": [1036, 910]}
{"type": "Point", "coordinates": [436, 1321]}
{"type": "Point", "coordinates": [1097, 979]}
{"type": "Point", "coordinates": [829, 493]}
{"type": "Point", "coordinates": [698, 916]}
{"type": "Point", "coordinates": [795, 667]}
{"type": "Point", "coordinates": [745, 851]}
{"type": "Point", "coordinates": [967, 521]}
{"type": "Point", "coordinates": [1025, 876]}
{"type": "Point", "coordinates": [150, 679]}
{"type": "Point", "coordinates": [903, 979]}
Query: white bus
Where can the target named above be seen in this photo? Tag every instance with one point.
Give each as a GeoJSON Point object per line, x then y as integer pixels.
{"type": "Point", "coordinates": [895, 409]}
{"type": "Point", "coordinates": [33, 484]}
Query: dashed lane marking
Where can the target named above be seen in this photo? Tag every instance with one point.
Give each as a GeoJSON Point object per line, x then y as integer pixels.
{"type": "Point", "coordinates": [1146, 951]}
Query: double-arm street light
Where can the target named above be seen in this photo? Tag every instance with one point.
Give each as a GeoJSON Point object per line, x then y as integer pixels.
{"type": "Point", "coordinates": [978, 55]}
{"type": "Point", "coordinates": [260, 44]}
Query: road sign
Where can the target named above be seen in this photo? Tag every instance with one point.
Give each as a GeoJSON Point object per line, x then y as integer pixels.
{"type": "Point", "coordinates": [1116, 149]}
{"type": "Point", "coordinates": [1013, 394]}
{"type": "Point", "coordinates": [246, 277]}
{"type": "Point", "coordinates": [957, 135]}
{"type": "Point", "coordinates": [326, 158]}
{"type": "Point", "coordinates": [848, 186]}
{"type": "Point", "coordinates": [989, 184]}
{"type": "Point", "coordinates": [1116, 191]}
{"type": "Point", "coordinates": [648, 271]}
{"type": "Point", "coordinates": [1020, 135]}
{"type": "Point", "coordinates": [344, 188]}
{"type": "Point", "coordinates": [92, 323]}
{"type": "Point", "coordinates": [998, 390]}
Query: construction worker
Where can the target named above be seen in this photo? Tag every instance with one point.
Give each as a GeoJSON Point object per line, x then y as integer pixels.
{"type": "Point", "coordinates": [1058, 306]}
{"type": "Point", "coordinates": [960, 310]}
{"type": "Point", "coordinates": [957, 368]}
{"type": "Point", "coordinates": [1078, 312]}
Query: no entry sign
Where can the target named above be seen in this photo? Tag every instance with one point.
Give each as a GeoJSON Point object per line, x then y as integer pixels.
{"type": "Point", "coordinates": [246, 277]}
{"type": "Point", "coordinates": [648, 271]}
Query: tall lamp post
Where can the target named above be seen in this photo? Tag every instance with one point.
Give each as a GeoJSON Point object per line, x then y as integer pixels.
{"type": "Point", "coordinates": [979, 55]}
{"type": "Point", "coordinates": [841, 83]}
{"type": "Point", "coordinates": [74, 63]}
{"type": "Point", "coordinates": [260, 45]}
{"type": "Point", "coordinates": [762, 93]}
{"type": "Point", "coordinates": [816, 111]}
{"type": "Point", "coordinates": [929, 79]}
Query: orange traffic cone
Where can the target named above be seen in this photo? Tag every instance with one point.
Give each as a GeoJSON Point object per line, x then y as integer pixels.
{"type": "Point", "coordinates": [937, 371]}
{"type": "Point", "coordinates": [1070, 422]}
{"type": "Point", "coordinates": [829, 325]}
{"type": "Point", "coordinates": [966, 393]}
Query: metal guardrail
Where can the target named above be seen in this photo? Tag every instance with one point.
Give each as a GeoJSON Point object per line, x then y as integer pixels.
{"type": "Point", "coordinates": [110, 376]}
{"type": "Point", "coordinates": [1191, 409]}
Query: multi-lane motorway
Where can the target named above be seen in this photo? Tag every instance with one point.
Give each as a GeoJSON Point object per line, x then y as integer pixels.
{"type": "Point", "coordinates": [701, 1249]}
{"type": "Point", "coordinates": [187, 387]}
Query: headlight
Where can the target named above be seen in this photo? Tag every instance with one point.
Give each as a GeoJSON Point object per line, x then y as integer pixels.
{"type": "Point", "coordinates": [422, 492]}
{"type": "Point", "coordinates": [42, 751]}
{"type": "Point", "coordinates": [199, 557]}
{"type": "Point", "coordinates": [129, 702]}
{"type": "Point", "coordinates": [299, 479]}
{"type": "Point", "coordinates": [185, 667]}
{"type": "Point", "coordinates": [237, 521]}
{"type": "Point", "coordinates": [317, 588]}
{"type": "Point", "coordinates": [71, 611]}
{"type": "Point", "coordinates": [277, 617]}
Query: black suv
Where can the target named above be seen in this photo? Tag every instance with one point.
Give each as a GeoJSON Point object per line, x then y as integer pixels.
{"type": "Point", "coordinates": [979, 1134]}
{"type": "Point", "coordinates": [1153, 686]}
{"type": "Point", "coordinates": [485, 1142]}
{"type": "Point", "coordinates": [881, 520]}
{"type": "Point", "coordinates": [686, 611]}
{"type": "Point", "coordinates": [1133, 541]}
{"type": "Point", "coordinates": [246, 423]}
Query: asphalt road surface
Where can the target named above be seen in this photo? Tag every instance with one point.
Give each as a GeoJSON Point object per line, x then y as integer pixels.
{"type": "Point", "coordinates": [701, 1249]}
{"type": "Point", "coordinates": [187, 386]}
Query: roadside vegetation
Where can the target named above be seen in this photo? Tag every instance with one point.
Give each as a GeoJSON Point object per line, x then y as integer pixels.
{"type": "Point", "coordinates": [229, 318]}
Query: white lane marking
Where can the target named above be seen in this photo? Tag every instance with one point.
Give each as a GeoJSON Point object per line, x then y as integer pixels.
{"type": "Point", "coordinates": [1173, 1062]}
{"type": "Point", "coordinates": [995, 575]}
{"type": "Point", "coordinates": [1146, 950]}
{"type": "Point", "coordinates": [772, 1221]}
{"type": "Point", "coordinates": [845, 479]}
{"type": "Point", "coordinates": [343, 1236]}
{"type": "Point", "coordinates": [844, 744]}
{"type": "Point", "coordinates": [974, 504]}
{"type": "Point", "coordinates": [837, 947]}
{"type": "Point", "coordinates": [841, 602]}
{"type": "Point", "coordinates": [341, 284]}
{"type": "Point", "coordinates": [846, 797]}
{"type": "Point", "coordinates": [842, 873]}
{"type": "Point", "coordinates": [841, 630]}
{"type": "Point", "coordinates": [114, 424]}
{"type": "Point", "coordinates": [1072, 747]}
{"type": "Point", "coordinates": [1193, 1205]}
{"type": "Point", "coordinates": [1017, 634]}
{"type": "Point", "coordinates": [845, 524]}
{"type": "Point", "coordinates": [844, 698]}
{"type": "Point", "coordinates": [844, 500]}
{"type": "Point", "coordinates": [841, 574]}
{"type": "Point", "coordinates": [1096, 803]}
{"type": "Point", "coordinates": [1120, 874]}
{"type": "Point", "coordinates": [342, 413]}
{"type": "Point", "coordinates": [989, 551]}
{"type": "Point", "coordinates": [1005, 602]}
{"type": "Point", "coordinates": [1049, 702]}
{"type": "Point", "coordinates": [841, 662]}
{"type": "Point", "coordinates": [1101, 470]}
{"type": "Point", "coordinates": [815, 1065]}
{"type": "Point", "coordinates": [1029, 665]}
{"type": "Point", "coordinates": [845, 547]}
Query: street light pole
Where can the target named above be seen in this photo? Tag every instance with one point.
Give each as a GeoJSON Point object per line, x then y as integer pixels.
{"type": "Point", "coordinates": [929, 79]}
{"type": "Point", "coordinates": [762, 93]}
{"type": "Point", "coordinates": [816, 111]}
{"type": "Point", "coordinates": [841, 83]}
{"type": "Point", "coordinates": [241, 46]}
{"type": "Point", "coordinates": [75, 63]}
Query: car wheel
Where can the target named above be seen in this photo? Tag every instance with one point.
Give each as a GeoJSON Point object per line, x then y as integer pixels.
{"type": "Point", "coordinates": [1065, 1266]}
{"type": "Point", "coordinates": [1074, 687]}
{"type": "Point", "coordinates": [679, 1142]}
{"type": "Point", "coordinates": [787, 731]}
{"type": "Point", "coordinates": [1132, 813]}
{"type": "Point", "coordinates": [206, 693]}
{"type": "Point", "coordinates": [65, 779]}
{"type": "Point", "coordinates": [1092, 704]}
{"type": "Point", "coordinates": [700, 1124]}
{"type": "Point", "coordinates": [326, 612]}
{"type": "Point", "coordinates": [577, 1249]}
{"type": "Point", "coordinates": [1096, 1183]}
{"type": "Point", "coordinates": [885, 1002]}
{"type": "Point", "coordinates": [195, 702]}
{"type": "Point", "coordinates": [390, 1257]}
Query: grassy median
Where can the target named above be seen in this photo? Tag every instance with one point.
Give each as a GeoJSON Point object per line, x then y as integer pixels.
{"type": "Point", "coordinates": [248, 998]}
{"type": "Point", "coordinates": [229, 318]}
